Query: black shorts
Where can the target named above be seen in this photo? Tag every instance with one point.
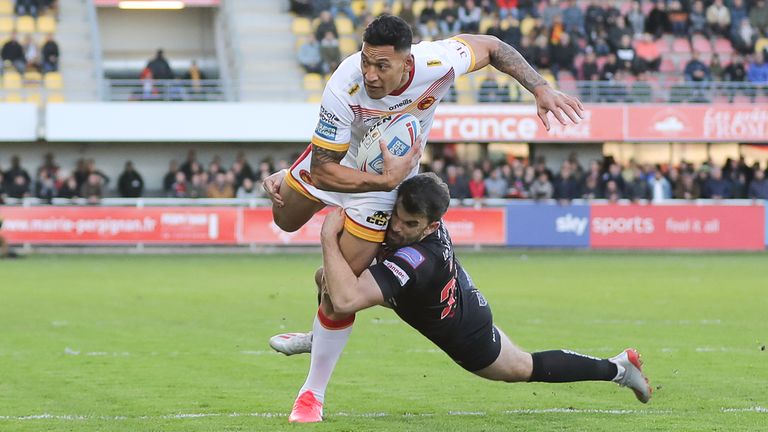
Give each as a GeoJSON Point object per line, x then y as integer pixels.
{"type": "Point", "coordinates": [478, 343]}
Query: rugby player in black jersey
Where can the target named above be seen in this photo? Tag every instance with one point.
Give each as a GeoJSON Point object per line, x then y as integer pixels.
{"type": "Point", "coordinates": [419, 277]}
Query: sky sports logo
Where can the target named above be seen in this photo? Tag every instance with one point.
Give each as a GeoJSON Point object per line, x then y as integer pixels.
{"type": "Point", "coordinates": [571, 224]}
{"type": "Point", "coordinates": [604, 225]}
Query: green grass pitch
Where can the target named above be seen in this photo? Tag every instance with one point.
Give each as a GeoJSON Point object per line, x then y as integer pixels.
{"type": "Point", "coordinates": [179, 343]}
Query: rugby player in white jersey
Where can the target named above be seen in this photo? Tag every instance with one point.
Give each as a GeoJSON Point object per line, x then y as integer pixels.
{"type": "Point", "coordinates": [389, 76]}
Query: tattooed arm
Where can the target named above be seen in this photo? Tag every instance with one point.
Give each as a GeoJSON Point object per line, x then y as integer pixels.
{"type": "Point", "coordinates": [328, 174]}
{"type": "Point", "coordinates": [489, 50]}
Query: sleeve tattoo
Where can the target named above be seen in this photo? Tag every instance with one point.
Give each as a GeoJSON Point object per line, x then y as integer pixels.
{"type": "Point", "coordinates": [508, 60]}
{"type": "Point", "coordinates": [321, 156]}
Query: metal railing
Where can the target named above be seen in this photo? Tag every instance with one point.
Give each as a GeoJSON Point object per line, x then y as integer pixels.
{"type": "Point", "coordinates": [165, 90]}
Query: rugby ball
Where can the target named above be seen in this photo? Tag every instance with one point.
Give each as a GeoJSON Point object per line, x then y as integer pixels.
{"type": "Point", "coordinates": [399, 132]}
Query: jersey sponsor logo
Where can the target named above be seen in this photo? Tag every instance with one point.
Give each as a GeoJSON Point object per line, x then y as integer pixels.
{"type": "Point", "coordinates": [433, 63]}
{"type": "Point", "coordinates": [379, 218]}
{"type": "Point", "coordinates": [326, 130]}
{"type": "Point", "coordinates": [304, 176]}
{"type": "Point", "coordinates": [328, 116]}
{"type": "Point", "coordinates": [399, 273]}
{"type": "Point", "coordinates": [354, 89]}
{"type": "Point", "coordinates": [426, 103]}
{"type": "Point", "coordinates": [413, 257]}
{"type": "Point", "coordinates": [400, 104]}
{"type": "Point", "coordinates": [481, 299]}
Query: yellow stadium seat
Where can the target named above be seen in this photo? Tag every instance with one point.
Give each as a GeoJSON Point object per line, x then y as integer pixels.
{"type": "Point", "coordinates": [397, 6]}
{"type": "Point", "coordinates": [463, 84]}
{"type": "Point", "coordinates": [358, 7]}
{"type": "Point", "coordinates": [46, 24]}
{"type": "Point", "coordinates": [32, 79]}
{"type": "Point", "coordinates": [344, 26]}
{"type": "Point", "coordinates": [11, 80]}
{"type": "Point", "coordinates": [466, 98]}
{"type": "Point", "coordinates": [25, 24]}
{"type": "Point", "coordinates": [53, 81]}
{"type": "Point", "coordinates": [485, 24]}
{"type": "Point", "coordinates": [377, 8]}
{"type": "Point", "coordinates": [315, 97]}
{"type": "Point", "coordinates": [313, 81]}
{"type": "Point", "coordinates": [439, 6]}
{"type": "Point", "coordinates": [418, 6]}
{"type": "Point", "coordinates": [347, 46]}
{"type": "Point", "coordinates": [6, 26]}
{"type": "Point", "coordinates": [35, 98]}
{"type": "Point", "coordinates": [527, 26]}
{"type": "Point", "coordinates": [301, 26]}
{"type": "Point", "coordinates": [54, 98]}
{"type": "Point", "coordinates": [6, 7]}
{"type": "Point", "coordinates": [13, 98]}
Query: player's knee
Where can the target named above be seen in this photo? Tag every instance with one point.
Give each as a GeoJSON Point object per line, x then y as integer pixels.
{"type": "Point", "coordinates": [283, 221]}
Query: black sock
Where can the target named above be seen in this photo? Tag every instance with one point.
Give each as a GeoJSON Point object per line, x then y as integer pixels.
{"type": "Point", "coordinates": [566, 366]}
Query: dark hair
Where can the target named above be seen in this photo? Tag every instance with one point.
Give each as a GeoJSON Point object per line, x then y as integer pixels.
{"type": "Point", "coordinates": [389, 30]}
{"type": "Point", "coordinates": [425, 194]}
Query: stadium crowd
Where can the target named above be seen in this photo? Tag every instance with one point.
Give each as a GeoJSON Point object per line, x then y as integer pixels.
{"type": "Point", "coordinates": [514, 178]}
{"type": "Point", "coordinates": [632, 43]}
{"type": "Point", "coordinates": [28, 54]}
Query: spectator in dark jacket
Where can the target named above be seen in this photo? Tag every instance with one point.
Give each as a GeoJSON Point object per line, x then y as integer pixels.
{"type": "Point", "coordinates": [458, 185]}
{"type": "Point", "coordinates": [159, 67]}
{"type": "Point", "coordinates": [658, 20]}
{"type": "Point", "coordinates": [130, 184]}
{"type": "Point", "coordinates": [717, 187]}
{"type": "Point", "coordinates": [326, 25]}
{"type": "Point", "coordinates": [50, 58]}
{"type": "Point", "coordinates": [758, 189]}
{"type": "Point", "coordinates": [14, 53]}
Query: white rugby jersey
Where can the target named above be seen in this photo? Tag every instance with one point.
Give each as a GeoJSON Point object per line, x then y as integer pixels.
{"type": "Point", "coordinates": [346, 111]}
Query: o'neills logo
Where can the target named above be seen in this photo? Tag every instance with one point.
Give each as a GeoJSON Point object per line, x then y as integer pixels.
{"type": "Point", "coordinates": [401, 104]}
{"type": "Point", "coordinates": [426, 102]}
{"type": "Point", "coordinates": [304, 174]}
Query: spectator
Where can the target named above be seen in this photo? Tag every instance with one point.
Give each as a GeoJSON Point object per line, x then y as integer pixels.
{"type": "Point", "coordinates": [50, 55]}
{"type": "Point", "coordinates": [590, 188]}
{"type": "Point", "coordinates": [180, 187]}
{"type": "Point", "coordinates": [636, 19]}
{"type": "Point", "coordinates": [458, 186]}
{"type": "Point", "coordinates": [508, 8]}
{"type": "Point", "coordinates": [406, 13]}
{"type": "Point", "coordinates": [90, 166]}
{"type": "Point", "coordinates": [594, 20]}
{"type": "Point", "coordinates": [697, 20]}
{"type": "Point", "coordinates": [551, 10]}
{"type": "Point", "coordinates": [541, 188]}
{"type": "Point", "coordinates": [170, 176]}
{"type": "Point", "coordinates": [189, 165]}
{"type": "Point", "coordinates": [563, 55]}
{"type": "Point", "coordinates": [612, 175]}
{"type": "Point", "coordinates": [301, 7]}
{"type": "Point", "coordinates": [495, 185]}
{"type": "Point", "coordinates": [92, 189]}
{"type": "Point", "coordinates": [14, 171]}
{"type": "Point", "coordinates": [717, 187]}
{"type": "Point", "coordinates": [13, 52]}
{"type": "Point", "coordinates": [159, 67]}
{"type": "Point", "coordinates": [616, 34]}
{"type": "Point", "coordinates": [197, 188]}
{"type": "Point", "coordinates": [647, 53]}
{"type": "Point", "coordinates": [758, 15]}
{"type": "Point", "coordinates": [130, 184]}
{"type": "Point", "coordinates": [69, 188]}
{"type": "Point", "coordinates": [477, 185]}
{"type": "Point", "coordinates": [698, 74]}
{"type": "Point", "coordinates": [318, 6]}
{"type": "Point", "coordinates": [309, 56]}
{"type": "Point", "coordinates": [18, 187]}
{"type": "Point", "coordinates": [428, 22]}
{"type": "Point", "coordinates": [566, 184]}
{"type": "Point", "coordinates": [716, 68]}
{"type": "Point", "coordinates": [738, 13]}
{"type": "Point", "coordinates": [345, 7]}
{"type": "Point", "coordinates": [590, 74]}
{"type": "Point", "coordinates": [148, 89]}
{"type": "Point", "coordinates": [27, 7]}
{"type": "Point", "coordinates": [330, 52]}
{"type": "Point", "coordinates": [31, 53]}
{"type": "Point", "coordinates": [248, 190]}
{"type": "Point", "coordinates": [220, 187]}
{"type": "Point", "coordinates": [687, 188]}
{"type": "Point", "coordinates": [469, 17]}
{"type": "Point", "coordinates": [45, 187]}
{"type": "Point", "coordinates": [49, 167]}
{"type": "Point", "coordinates": [735, 74]}
{"type": "Point", "coordinates": [625, 54]}
{"type": "Point", "coordinates": [744, 37]}
{"type": "Point", "coordinates": [719, 18]}
{"type": "Point", "coordinates": [449, 19]}
{"type": "Point", "coordinates": [758, 188]}
{"type": "Point", "coordinates": [757, 74]}
{"type": "Point", "coordinates": [657, 22]}
{"type": "Point", "coordinates": [540, 52]}
{"type": "Point", "coordinates": [527, 8]}
{"type": "Point", "coordinates": [573, 19]}
{"type": "Point", "coordinates": [638, 188]}
{"type": "Point", "coordinates": [326, 25]}
{"type": "Point", "coordinates": [678, 19]}
{"type": "Point", "coordinates": [195, 77]}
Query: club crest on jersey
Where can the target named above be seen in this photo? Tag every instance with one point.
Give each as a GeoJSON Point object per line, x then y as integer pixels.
{"type": "Point", "coordinates": [433, 63]}
{"type": "Point", "coordinates": [354, 89]}
{"type": "Point", "coordinates": [379, 218]}
{"type": "Point", "coordinates": [399, 273]}
{"type": "Point", "coordinates": [305, 177]}
{"type": "Point", "coordinates": [426, 102]}
{"type": "Point", "coordinates": [412, 256]}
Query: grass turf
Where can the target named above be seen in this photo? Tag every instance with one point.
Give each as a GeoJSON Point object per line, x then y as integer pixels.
{"type": "Point", "coordinates": [179, 343]}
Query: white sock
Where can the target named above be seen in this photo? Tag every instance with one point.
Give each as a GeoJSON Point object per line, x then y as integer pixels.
{"type": "Point", "coordinates": [328, 340]}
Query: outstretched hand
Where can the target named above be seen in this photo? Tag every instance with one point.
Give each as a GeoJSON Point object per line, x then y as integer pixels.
{"type": "Point", "coordinates": [558, 103]}
{"type": "Point", "coordinates": [333, 224]}
{"type": "Point", "coordinates": [397, 168]}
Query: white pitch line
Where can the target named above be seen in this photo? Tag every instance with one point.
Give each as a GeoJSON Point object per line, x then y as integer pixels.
{"type": "Point", "coordinates": [752, 409]}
